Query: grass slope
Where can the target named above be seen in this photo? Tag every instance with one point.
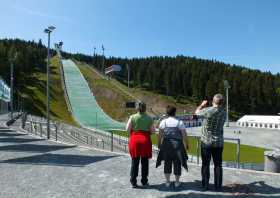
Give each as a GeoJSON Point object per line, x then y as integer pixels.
{"type": "Point", "coordinates": [158, 102]}
{"type": "Point", "coordinates": [111, 95]}
{"type": "Point", "coordinates": [35, 94]}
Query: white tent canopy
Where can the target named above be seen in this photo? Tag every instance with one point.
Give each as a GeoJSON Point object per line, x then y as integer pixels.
{"type": "Point", "coordinates": [259, 121]}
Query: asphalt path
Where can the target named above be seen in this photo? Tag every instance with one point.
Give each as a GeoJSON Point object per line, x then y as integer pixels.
{"type": "Point", "coordinates": [32, 167]}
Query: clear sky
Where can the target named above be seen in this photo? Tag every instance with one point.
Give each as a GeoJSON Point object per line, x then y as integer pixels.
{"type": "Point", "coordinates": [243, 32]}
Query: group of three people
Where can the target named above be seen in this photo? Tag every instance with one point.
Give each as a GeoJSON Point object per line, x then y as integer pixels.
{"type": "Point", "coordinates": [173, 143]}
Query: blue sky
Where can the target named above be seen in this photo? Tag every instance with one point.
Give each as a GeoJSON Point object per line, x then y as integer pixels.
{"type": "Point", "coordinates": [233, 31]}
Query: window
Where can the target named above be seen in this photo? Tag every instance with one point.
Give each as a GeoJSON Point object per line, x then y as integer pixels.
{"type": "Point", "coordinates": [251, 124]}
{"type": "Point", "coordinates": [276, 126]}
{"type": "Point", "coordinates": [270, 126]}
{"type": "Point", "coordinates": [256, 124]}
{"type": "Point", "coordinates": [260, 125]}
{"type": "Point", "coordinates": [265, 125]}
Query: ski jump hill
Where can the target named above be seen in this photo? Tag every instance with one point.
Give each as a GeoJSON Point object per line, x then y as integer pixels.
{"type": "Point", "coordinates": [84, 106]}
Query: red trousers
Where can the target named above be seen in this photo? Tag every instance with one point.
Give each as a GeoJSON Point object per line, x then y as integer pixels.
{"type": "Point", "coordinates": [140, 144]}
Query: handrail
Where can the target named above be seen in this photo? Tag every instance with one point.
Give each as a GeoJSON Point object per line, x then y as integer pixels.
{"type": "Point", "coordinates": [113, 142]}
{"type": "Point", "coordinates": [64, 88]}
{"type": "Point", "coordinates": [198, 143]}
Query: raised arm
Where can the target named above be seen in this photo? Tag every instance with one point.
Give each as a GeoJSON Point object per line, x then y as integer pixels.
{"type": "Point", "coordinates": [199, 109]}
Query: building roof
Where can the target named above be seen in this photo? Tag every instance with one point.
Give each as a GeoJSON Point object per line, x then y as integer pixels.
{"type": "Point", "coordinates": [260, 119]}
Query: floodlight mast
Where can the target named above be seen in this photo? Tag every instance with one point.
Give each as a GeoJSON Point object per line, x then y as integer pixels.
{"type": "Point", "coordinates": [128, 75]}
{"type": "Point", "coordinates": [103, 60]}
{"type": "Point", "coordinates": [227, 87]}
{"type": "Point", "coordinates": [48, 31]}
{"type": "Point", "coordinates": [12, 60]}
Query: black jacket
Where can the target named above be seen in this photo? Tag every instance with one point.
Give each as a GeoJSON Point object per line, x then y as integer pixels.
{"type": "Point", "coordinates": [171, 149]}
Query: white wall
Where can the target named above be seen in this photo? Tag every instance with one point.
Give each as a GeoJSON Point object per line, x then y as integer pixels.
{"type": "Point", "coordinates": [259, 125]}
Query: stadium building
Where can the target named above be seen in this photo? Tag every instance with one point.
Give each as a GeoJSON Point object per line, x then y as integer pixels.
{"type": "Point", "coordinates": [4, 97]}
{"type": "Point", "coordinates": [259, 121]}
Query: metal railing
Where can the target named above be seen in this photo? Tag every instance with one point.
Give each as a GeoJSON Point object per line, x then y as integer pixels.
{"type": "Point", "coordinates": [64, 87]}
{"type": "Point", "coordinates": [69, 134]}
{"type": "Point", "coordinates": [110, 141]}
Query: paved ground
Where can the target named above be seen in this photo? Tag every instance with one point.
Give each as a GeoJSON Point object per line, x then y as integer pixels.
{"type": "Point", "coordinates": [32, 167]}
{"type": "Point", "coordinates": [267, 138]}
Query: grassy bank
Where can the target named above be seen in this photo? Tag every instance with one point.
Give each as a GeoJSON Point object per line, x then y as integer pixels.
{"type": "Point", "coordinates": [35, 94]}
{"type": "Point", "coordinates": [111, 99]}
{"type": "Point", "coordinates": [111, 95]}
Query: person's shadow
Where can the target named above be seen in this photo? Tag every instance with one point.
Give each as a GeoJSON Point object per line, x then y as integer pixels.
{"type": "Point", "coordinates": [254, 187]}
{"type": "Point", "coordinates": [195, 186]}
{"type": "Point", "coordinates": [258, 187]}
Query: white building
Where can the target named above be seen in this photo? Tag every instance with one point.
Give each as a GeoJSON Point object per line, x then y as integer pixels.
{"type": "Point", "coordinates": [259, 121]}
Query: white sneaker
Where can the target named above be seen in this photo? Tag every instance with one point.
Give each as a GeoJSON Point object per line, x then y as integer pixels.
{"type": "Point", "coordinates": [177, 184]}
{"type": "Point", "coordinates": [167, 184]}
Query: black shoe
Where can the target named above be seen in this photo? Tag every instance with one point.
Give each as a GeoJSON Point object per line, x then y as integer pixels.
{"type": "Point", "coordinates": [134, 185]}
{"type": "Point", "coordinates": [218, 189]}
{"type": "Point", "coordinates": [145, 184]}
{"type": "Point", "coordinates": [205, 187]}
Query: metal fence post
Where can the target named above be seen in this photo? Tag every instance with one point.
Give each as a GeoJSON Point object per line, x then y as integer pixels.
{"type": "Point", "coordinates": [112, 141]}
{"type": "Point", "coordinates": [55, 132]}
{"type": "Point", "coordinates": [41, 129]}
{"type": "Point", "coordinates": [238, 153]}
{"type": "Point", "coordinates": [197, 149]}
{"type": "Point", "coordinates": [31, 127]}
{"type": "Point", "coordinates": [35, 128]}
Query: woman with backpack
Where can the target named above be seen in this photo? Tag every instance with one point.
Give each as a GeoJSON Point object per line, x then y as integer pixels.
{"type": "Point", "coordinates": [172, 141]}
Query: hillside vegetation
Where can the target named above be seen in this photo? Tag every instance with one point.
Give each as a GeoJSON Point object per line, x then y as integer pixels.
{"type": "Point", "coordinates": [158, 81]}
{"type": "Point", "coordinates": [30, 77]}
{"type": "Point", "coordinates": [112, 95]}
{"type": "Point", "coordinates": [110, 98]}
{"type": "Point", "coordinates": [35, 94]}
{"type": "Point", "coordinates": [192, 79]}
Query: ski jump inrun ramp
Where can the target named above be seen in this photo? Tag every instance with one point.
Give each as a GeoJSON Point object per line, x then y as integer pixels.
{"type": "Point", "coordinates": [84, 107]}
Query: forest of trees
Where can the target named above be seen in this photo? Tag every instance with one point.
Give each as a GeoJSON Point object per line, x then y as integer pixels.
{"type": "Point", "coordinates": [30, 56]}
{"type": "Point", "coordinates": [252, 91]}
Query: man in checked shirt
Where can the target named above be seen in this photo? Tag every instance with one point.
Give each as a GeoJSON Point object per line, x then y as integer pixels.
{"type": "Point", "coordinates": [212, 139]}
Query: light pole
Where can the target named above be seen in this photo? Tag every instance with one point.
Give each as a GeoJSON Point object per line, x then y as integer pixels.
{"type": "Point", "coordinates": [48, 31]}
{"type": "Point", "coordinates": [94, 56]}
{"type": "Point", "coordinates": [103, 60]}
{"type": "Point", "coordinates": [128, 74]}
{"type": "Point", "coordinates": [227, 86]}
{"type": "Point", "coordinates": [12, 60]}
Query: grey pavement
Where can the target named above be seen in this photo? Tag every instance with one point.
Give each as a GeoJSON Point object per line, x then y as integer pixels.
{"type": "Point", "coordinates": [31, 167]}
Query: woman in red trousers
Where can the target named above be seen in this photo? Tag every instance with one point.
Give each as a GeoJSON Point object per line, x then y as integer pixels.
{"type": "Point", "coordinates": [140, 127]}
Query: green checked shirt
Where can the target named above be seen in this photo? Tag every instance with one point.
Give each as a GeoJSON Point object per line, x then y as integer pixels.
{"type": "Point", "coordinates": [213, 126]}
